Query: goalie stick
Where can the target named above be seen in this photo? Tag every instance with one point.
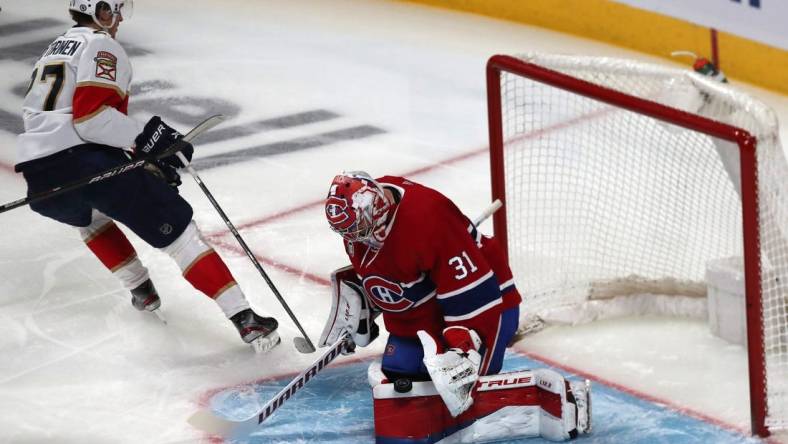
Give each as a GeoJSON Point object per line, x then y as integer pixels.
{"type": "Point", "coordinates": [302, 343]}
{"type": "Point", "coordinates": [205, 125]}
{"type": "Point", "coordinates": [488, 212]}
{"type": "Point", "coordinates": [205, 420]}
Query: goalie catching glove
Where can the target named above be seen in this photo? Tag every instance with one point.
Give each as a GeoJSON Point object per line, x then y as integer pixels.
{"type": "Point", "coordinates": [350, 312]}
{"type": "Point", "coordinates": [455, 372]}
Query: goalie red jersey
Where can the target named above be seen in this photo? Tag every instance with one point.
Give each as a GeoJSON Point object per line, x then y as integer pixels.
{"type": "Point", "coordinates": [426, 267]}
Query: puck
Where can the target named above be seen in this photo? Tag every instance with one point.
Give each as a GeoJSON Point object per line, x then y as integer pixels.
{"type": "Point", "coordinates": [403, 385]}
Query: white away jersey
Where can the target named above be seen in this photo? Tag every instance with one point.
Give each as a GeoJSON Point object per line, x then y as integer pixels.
{"type": "Point", "coordinates": [78, 93]}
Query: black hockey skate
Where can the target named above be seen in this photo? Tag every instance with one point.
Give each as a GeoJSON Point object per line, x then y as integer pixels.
{"type": "Point", "coordinates": [145, 297]}
{"type": "Point", "coordinates": [259, 332]}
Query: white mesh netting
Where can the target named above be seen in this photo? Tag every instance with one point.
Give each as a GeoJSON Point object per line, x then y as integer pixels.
{"type": "Point", "coordinates": [601, 198]}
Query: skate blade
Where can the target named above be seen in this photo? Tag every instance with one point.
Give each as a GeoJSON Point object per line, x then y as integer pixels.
{"type": "Point", "coordinates": [264, 344]}
{"type": "Point", "coordinates": [160, 315]}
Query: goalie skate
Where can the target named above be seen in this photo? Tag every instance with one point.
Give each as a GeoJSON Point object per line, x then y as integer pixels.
{"type": "Point", "coordinates": [582, 393]}
{"type": "Point", "coordinates": [257, 331]}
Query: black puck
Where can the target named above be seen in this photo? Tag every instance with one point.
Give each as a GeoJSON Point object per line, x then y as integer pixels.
{"type": "Point", "coordinates": [403, 385]}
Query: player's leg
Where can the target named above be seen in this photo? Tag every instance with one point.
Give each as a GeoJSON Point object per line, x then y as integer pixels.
{"type": "Point", "coordinates": [403, 358]}
{"type": "Point", "coordinates": [53, 171]}
{"type": "Point", "coordinates": [207, 272]}
{"type": "Point", "coordinates": [113, 249]}
{"type": "Point", "coordinates": [496, 341]}
{"type": "Point", "coordinates": [100, 234]}
{"type": "Point", "coordinates": [161, 217]}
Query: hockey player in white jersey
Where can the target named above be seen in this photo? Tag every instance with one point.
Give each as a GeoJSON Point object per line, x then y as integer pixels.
{"type": "Point", "coordinates": [76, 124]}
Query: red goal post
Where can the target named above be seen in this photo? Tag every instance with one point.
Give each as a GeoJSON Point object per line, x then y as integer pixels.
{"type": "Point", "coordinates": [550, 115]}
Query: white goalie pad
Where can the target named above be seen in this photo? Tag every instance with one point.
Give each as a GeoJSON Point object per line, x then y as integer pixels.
{"type": "Point", "coordinates": [507, 406]}
{"type": "Point", "coordinates": [349, 312]}
{"type": "Point", "coordinates": [575, 406]}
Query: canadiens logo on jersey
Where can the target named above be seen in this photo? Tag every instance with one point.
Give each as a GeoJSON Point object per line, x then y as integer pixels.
{"type": "Point", "coordinates": [106, 65]}
{"type": "Point", "coordinates": [395, 297]}
{"type": "Point", "coordinates": [387, 295]}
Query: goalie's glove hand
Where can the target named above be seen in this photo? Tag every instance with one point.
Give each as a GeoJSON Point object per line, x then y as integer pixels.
{"type": "Point", "coordinates": [464, 343]}
{"type": "Point", "coordinates": [158, 137]}
{"type": "Point", "coordinates": [165, 172]}
{"type": "Point", "coordinates": [455, 372]}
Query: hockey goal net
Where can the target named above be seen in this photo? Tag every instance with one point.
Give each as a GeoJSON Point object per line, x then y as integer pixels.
{"type": "Point", "coordinates": [609, 190]}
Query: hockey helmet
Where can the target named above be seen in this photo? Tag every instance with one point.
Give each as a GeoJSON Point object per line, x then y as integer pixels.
{"type": "Point", "coordinates": [124, 8]}
{"type": "Point", "coordinates": [356, 206]}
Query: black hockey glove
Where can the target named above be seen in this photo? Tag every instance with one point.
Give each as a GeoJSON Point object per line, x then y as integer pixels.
{"type": "Point", "coordinates": [157, 137]}
{"type": "Point", "coordinates": [165, 172]}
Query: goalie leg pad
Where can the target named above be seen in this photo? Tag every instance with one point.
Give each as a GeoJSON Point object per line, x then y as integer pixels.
{"type": "Point", "coordinates": [581, 392]}
{"type": "Point", "coordinates": [566, 406]}
{"type": "Point", "coordinates": [511, 405]}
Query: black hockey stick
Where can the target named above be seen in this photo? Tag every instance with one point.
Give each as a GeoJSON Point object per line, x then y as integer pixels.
{"type": "Point", "coordinates": [205, 125]}
{"type": "Point", "coordinates": [205, 420]}
{"type": "Point", "coordinates": [302, 344]}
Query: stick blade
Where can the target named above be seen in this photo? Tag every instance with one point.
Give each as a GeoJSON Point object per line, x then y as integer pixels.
{"type": "Point", "coordinates": [203, 126]}
{"type": "Point", "coordinates": [303, 346]}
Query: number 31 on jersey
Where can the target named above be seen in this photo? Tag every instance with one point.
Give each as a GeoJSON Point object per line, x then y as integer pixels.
{"type": "Point", "coordinates": [462, 264]}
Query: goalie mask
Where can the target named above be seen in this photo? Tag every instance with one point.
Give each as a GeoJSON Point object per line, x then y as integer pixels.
{"type": "Point", "coordinates": [356, 207]}
{"type": "Point", "coordinates": [122, 8]}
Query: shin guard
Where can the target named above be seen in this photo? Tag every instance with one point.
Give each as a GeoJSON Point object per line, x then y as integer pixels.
{"type": "Point", "coordinates": [206, 271]}
{"type": "Point", "coordinates": [113, 249]}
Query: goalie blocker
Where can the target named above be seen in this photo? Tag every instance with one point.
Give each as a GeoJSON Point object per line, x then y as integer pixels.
{"type": "Point", "coordinates": [521, 404]}
{"type": "Point", "coordinates": [350, 312]}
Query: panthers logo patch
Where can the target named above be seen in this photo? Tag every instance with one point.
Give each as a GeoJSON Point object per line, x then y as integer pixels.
{"type": "Point", "coordinates": [106, 66]}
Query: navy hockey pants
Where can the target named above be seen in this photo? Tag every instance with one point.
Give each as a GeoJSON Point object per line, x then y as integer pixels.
{"type": "Point", "coordinates": [146, 204]}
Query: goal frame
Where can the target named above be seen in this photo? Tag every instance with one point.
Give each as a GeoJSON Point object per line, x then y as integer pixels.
{"type": "Point", "coordinates": [749, 195]}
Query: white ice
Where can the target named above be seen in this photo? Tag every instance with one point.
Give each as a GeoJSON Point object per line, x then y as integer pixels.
{"type": "Point", "coordinates": [78, 364]}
